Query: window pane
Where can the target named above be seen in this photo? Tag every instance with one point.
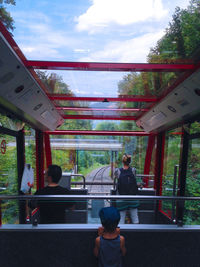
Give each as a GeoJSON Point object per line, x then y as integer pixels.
{"type": "Point", "coordinates": [8, 177]}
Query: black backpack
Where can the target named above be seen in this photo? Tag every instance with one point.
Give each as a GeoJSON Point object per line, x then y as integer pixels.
{"type": "Point", "coordinates": [127, 184]}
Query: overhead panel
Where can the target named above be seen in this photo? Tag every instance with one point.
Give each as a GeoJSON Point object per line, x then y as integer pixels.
{"type": "Point", "coordinates": [19, 88]}
{"type": "Point", "coordinates": [178, 106]}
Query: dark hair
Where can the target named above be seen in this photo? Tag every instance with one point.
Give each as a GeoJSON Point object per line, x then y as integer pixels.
{"type": "Point", "coordinates": [126, 159]}
{"type": "Point", "coordinates": [55, 172]}
{"type": "Point", "coordinates": [110, 218]}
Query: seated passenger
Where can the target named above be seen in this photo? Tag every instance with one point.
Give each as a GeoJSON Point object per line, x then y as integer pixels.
{"type": "Point", "coordinates": [109, 245]}
{"type": "Point", "coordinates": [52, 211]}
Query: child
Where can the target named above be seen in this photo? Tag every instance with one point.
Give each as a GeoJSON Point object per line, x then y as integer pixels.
{"type": "Point", "coordinates": [109, 245]}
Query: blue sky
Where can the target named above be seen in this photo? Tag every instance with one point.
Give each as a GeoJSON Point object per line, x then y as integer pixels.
{"type": "Point", "coordinates": [93, 30]}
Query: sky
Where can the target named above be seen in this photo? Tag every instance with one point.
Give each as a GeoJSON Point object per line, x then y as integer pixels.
{"type": "Point", "coordinates": [91, 30]}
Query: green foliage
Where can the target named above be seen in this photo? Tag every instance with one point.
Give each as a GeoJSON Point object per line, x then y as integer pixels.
{"type": "Point", "coordinates": [5, 16]}
{"type": "Point", "coordinates": [8, 181]}
{"type": "Point", "coordinates": [107, 126]}
{"type": "Point", "coordinates": [86, 171]}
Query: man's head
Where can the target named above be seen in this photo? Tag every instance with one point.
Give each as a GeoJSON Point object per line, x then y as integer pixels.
{"type": "Point", "coordinates": [110, 218]}
{"type": "Point", "coordinates": [54, 172]}
{"type": "Point", "coordinates": [126, 159]}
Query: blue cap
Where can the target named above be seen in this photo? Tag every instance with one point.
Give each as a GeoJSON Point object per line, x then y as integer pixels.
{"type": "Point", "coordinates": [109, 215]}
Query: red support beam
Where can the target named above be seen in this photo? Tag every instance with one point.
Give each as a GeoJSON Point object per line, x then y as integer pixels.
{"type": "Point", "coordinates": [102, 109]}
{"type": "Point", "coordinates": [99, 66]}
{"type": "Point", "coordinates": [47, 150]}
{"type": "Point", "coordinates": [39, 159]}
{"type": "Point", "coordinates": [147, 164]}
{"type": "Point", "coordinates": [159, 164]}
{"type": "Point", "coordinates": [0, 213]}
{"type": "Point", "coordinates": [91, 117]}
{"type": "Point", "coordinates": [108, 133]}
{"type": "Point", "coordinates": [121, 98]}
{"type": "Point", "coordinates": [11, 42]}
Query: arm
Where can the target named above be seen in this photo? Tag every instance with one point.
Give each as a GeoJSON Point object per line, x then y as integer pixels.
{"type": "Point", "coordinates": [97, 246]}
{"type": "Point", "coordinates": [100, 231]}
{"type": "Point", "coordinates": [122, 245]}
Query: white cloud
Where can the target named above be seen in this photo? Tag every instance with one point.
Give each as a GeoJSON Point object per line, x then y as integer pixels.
{"type": "Point", "coordinates": [121, 12]}
{"type": "Point", "coordinates": [133, 50]}
{"type": "Point", "coordinates": [40, 51]}
{"type": "Point", "coordinates": [39, 39]}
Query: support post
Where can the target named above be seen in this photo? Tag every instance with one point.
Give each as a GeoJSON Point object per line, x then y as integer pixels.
{"type": "Point", "coordinates": [182, 174]}
{"type": "Point", "coordinates": [39, 159]}
{"type": "Point", "coordinates": [20, 168]}
{"type": "Point", "coordinates": [47, 150]}
{"type": "Point", "coordinates": [112, 166]}
{"type": "Point", "coordinates": [160, 148]}
{"type": "Point", "coordinates": [147, 164]}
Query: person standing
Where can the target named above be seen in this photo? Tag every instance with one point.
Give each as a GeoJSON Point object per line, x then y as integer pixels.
{"type": "Point", "coordinates": [127, 185]}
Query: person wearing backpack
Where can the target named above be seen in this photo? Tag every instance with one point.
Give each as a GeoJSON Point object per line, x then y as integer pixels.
{"type": "Point", "coordinates": [127, 185]}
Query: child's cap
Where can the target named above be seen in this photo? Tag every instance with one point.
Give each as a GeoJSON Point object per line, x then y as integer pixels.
{"type": "Point", "coordinates": [109, 215]}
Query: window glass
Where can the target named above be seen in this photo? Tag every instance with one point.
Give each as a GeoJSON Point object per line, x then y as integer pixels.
{"type": "Point", "coordinates": [30, 155]}
{"type": "Point", "coordinates": [192, 208]}
{"type": "Point", "coordinates": [84, 154]}
{"type": "Point", "coordinates": [171, 160]}
{"type": "Point", "coordinates": [8, 177]}
{"type": "Point", "coordinates": [12, 124]}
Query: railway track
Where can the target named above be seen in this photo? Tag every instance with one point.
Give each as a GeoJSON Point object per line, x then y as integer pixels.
{"type": "Point", "coordinates": [100, 175]}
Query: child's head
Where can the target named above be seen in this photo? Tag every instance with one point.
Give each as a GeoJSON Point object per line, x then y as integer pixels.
{"type": "Point", "coordinates": [110, 218]}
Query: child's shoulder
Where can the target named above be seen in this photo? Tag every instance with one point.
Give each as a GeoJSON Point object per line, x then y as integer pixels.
{"type": "Point", "coordinates": [122, 238]}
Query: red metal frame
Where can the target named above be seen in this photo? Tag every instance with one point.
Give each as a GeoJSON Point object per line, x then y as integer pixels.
{"type": "Point", "coordinates": [39, 159]}
{"type": "Point", "coordinates": [160, 149]}
{"type": "Point", "coordinates": [98, 66]}
{"type": "Point", "coordinates": [108, 133]}
{"type": "Point", "coordinates": [98, 117]}
{"type": "Point", "coordinates": [0, 213]}
{"type": "Point", "coordinates": [102, 109]}
{"type": "Point", "coordinates": [164, 213]}
{"type": "Point", "coordinates": [11, 42]}
{"type": "Point", "coordinates": [147, 164]}
{"type": "Point", "coordinates": [161, 167]}
{"type": "Point", "coordinates": [121, 98]}
{"type": "Point", "coordinates": [47, 150]}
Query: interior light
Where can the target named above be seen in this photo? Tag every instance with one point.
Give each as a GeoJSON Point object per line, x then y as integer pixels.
{"type": "Point", "coordinates": [172, 109]}
{"type": "Point", "coordinates": [156, 119]}
{"type": "Point", "coordinates": [48, 116]}
{"type": "Point", "coordinates": [19, 89]}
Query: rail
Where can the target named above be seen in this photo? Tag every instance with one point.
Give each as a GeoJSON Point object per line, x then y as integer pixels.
{"type": "Point", "coordinates": [113, 197]}
{"type": "Point", "coordinates": [84, 183]}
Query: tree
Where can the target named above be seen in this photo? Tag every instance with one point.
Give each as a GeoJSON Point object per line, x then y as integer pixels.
{"type": "Point", "coordinates": [5, 16]}
{"type": "Point", "coordinates": [107, 126]}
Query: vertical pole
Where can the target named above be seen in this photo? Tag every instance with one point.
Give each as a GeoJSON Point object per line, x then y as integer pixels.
{"type": "Point", "coordinates": [39, 159]}
{"type": "Point", "coordinates": [0, 214]}
{"type": "Point", "coordinates": [160, 148]}
{"type": "Point", "coordinates": [47, 150]}
{"type": "Point", "coordinates": [174, 191]}
{"type": "Point", "coordinates": [112, 159]}
{"type": "Point", "coordinates": [147, 164]}
{"type": "Point", "coordinates": [20, 168]}
{"type": "Point", "coordinates": [77, 169]}
{"type": "Point", "coordinates": [182, 174]}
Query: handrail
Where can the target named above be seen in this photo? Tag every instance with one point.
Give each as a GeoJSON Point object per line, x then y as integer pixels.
{"type": "Point", "coordinates": [81, 175]}
{"type": "Point", "coordinates": [92, 183]}
{"type": "Point", "coordinates": [130, 197]}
